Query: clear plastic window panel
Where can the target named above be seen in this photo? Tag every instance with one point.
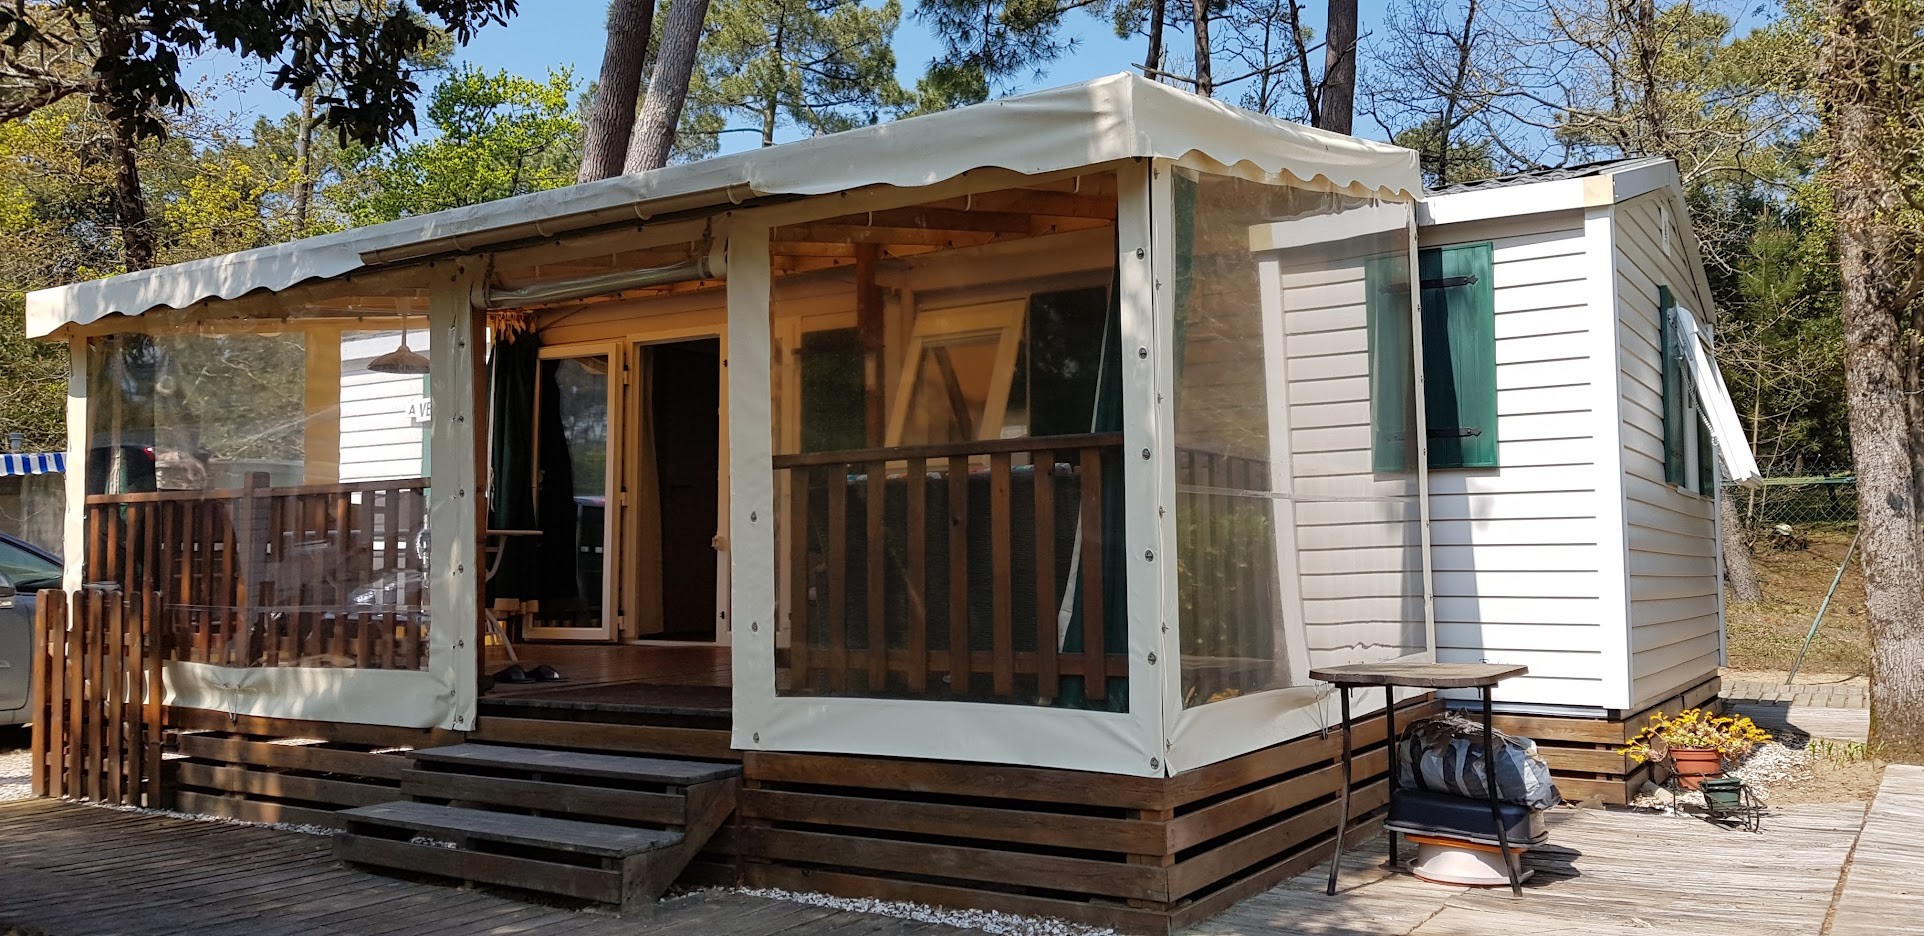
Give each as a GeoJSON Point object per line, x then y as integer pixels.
{"type": "Point", "coordinates": [1292, 322]}
{"type": "Point", "coordinates": [266, 483]}
{"type": "Point", "coordinates": [947, 443]}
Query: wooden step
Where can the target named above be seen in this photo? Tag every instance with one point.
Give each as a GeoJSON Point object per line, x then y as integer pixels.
{"type": "Point", "coordinates": [455, 793]}
{"type": "Point", "coordinates": [643, 770]}
{"type": "Point", "coordinates": [568, 835]}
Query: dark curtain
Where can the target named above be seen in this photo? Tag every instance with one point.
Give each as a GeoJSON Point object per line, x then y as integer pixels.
{"type": "Point", "coordinates": [522, 494]}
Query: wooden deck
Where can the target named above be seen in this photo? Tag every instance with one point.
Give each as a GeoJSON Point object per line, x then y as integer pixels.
{"type": "Point", "coordinates": [618, 678]}
{"type": "Point", "coordinates": [1883, 891]}
{"type": "Point", "coordinates": [68, 869]}
{"type": "Point", "coordinates": [73, 869]}
{"type": "Point", "coordinates": [1603, 873]}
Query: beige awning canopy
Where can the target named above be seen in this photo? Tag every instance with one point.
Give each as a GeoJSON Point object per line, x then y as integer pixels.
{"type": "Point", "coordinates": [1118, 117]}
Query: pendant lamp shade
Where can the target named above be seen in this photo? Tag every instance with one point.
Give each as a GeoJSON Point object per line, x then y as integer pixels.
{"type": "Point", "coordinates": [401, 360]}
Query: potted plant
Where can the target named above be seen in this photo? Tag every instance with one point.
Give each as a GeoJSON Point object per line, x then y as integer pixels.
{"type": "Point", "coordinates": [1695, 743]}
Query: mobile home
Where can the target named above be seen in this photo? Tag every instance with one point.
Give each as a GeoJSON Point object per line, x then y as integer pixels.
{"type": "Point", "coordinates": [947, 510]}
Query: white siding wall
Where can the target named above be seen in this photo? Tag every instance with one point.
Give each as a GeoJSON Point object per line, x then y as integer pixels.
{"type": "Point", "coordinates": [1358, 538]}
{"type": "Point", "coordinates": [1672, 545]}
{"type": "Point", "coordinates": [1522, 552]}
{"type": "Point", "coordinates": [378, 441]}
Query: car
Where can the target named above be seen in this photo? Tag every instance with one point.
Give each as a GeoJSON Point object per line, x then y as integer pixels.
{"type": "Point", "coordinates": [24, 570]}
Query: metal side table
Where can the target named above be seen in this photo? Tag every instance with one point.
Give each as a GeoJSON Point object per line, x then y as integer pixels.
{"type": "Point", "coordinates": [1479, 676]}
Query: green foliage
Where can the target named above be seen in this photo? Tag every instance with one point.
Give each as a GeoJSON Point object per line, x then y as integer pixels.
{"type": "Point", "coordinates": [1465, 159]}
{"type": "Point", "coordinates": [495, 135]}
{"type": "Point", "coordinates": [820, 66]}
{"type": "Point", "coordinates": [127, 55]}
{"type": "Point", "coordinates": [213, 191]}
{"type": "Point", "coordinates": [946, 87]}
{"type": "Point", "coordinates": [991, 43]}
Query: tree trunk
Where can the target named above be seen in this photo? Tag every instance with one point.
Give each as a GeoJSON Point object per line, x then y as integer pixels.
{"type": "Point", "coordinates": [611, 115]}
{"type": "Point", "coordinates": [1739, 572]}
{"type": "Point", "coordinates": [304, 162]}
{"type": "Point", "coordinates": [1152, 63]}
{"type": "Point", "coordinates": [668, 87]}
{"type": "Point", "coordinates": [1865, 186]}
{"type": "Point", "coordinates": [1336, 108]}
{"type": "Point", "coordinates": [1205, 84]}
{"type": "Point", "coordinates": [130, 203]}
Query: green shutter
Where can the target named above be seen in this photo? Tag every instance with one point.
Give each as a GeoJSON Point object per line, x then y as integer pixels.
{"type": "Point", "coordinates": [1673, 391]}
{"type": "Point", "coordinates": [1392, 389]}
{"type": "Point", "coordinates": [1459, 355]}
{"type": "Point", "coordinates": [1706, 460]}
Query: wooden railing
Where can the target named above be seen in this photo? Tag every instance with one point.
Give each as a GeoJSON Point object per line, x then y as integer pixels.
{"type": "Point", "coordinates": [97, 707]}
{"type": "Point", "coordinates": [943, 571]}
{"type": "Point", "coordinates": [315, 575]}
{"type": "Point", "coordinates": [1227, 592]}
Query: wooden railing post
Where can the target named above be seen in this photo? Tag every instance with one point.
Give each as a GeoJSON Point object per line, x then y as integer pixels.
{"type": "Point", "coordinates": [98, 689]}
{"type": "Point", "coordinates": [1004, 575]}
{"type": "Point", "coordinates": [1094, 667]}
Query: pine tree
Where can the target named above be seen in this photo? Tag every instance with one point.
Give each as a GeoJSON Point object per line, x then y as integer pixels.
{"type": "Point", "coordinates": [817, 65]}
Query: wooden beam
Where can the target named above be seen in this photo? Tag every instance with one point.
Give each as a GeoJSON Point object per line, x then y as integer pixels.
{"type": "Point", "coordinates": [927, 217]}
{"type": "Point", "coordinates": [864, 234]}
{"type": "Point", "coordinates": [869, 329]}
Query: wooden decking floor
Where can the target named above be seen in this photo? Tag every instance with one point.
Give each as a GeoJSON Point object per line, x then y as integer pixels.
{"type": "Point", "coordinates": [67, 869]}
{"type": "Point", "coordinates": [1883, 889]}
{"type": "Point", "coordinates": [1603, 873]}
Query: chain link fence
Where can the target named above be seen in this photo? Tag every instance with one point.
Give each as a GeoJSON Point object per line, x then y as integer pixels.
{"type": "Point", "coordinates": [1800, 502]}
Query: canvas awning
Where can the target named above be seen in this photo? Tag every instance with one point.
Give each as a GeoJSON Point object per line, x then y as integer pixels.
{"type": "Point", "coordinates": [1119, 117]}
{"type": "Point", "coordinates": [1713, 401]}
{"type": "Point", "coordinates": [32, 463]}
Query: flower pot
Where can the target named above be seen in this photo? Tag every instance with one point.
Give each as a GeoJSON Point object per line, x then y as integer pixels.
{"type": "Point", "coordinates": [1695, 764]}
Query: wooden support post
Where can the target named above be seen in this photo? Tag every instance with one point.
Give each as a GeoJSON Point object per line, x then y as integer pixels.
{"type": "Point", "coordinates": [79, 435]}
{"type": "Point", "coordinates": [1163, 859]}
{"type": "Point", "coordinates": [456, 350]}
{"type": "Point", "coordinates": [321, 434]}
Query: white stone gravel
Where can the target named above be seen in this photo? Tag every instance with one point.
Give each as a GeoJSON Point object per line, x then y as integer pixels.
{"type": "Point", "coordinates": [15, 774]}
{"type": "Point", "coordinates": [987, 921]}
{"type": "Point", "coordinates": [1766, 765]}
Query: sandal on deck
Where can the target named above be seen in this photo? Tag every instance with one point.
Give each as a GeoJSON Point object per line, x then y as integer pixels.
{"type": "Point", "coordinates": [546, 673]}
{"type": "Point", "coordinates": [513, 674]}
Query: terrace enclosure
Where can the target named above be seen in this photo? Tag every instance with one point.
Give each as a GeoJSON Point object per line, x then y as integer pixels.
{"type": "Point", "coordinates": [965, 498]}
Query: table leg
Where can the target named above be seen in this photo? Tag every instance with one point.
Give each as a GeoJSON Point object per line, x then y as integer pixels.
{"type": "Point", "coordinates": [1496, 805]}
{"type": "Point", "coordinates": [1342, 821]}
{"type": "Point", "coordinates": [1389, 733]}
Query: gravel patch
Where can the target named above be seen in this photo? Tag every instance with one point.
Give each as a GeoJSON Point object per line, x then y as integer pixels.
{"type": "Point", "coordinates": [1779, 776]}
{"type": "Point", "coordinates": [16, 774]}
{"type": "Point", "coordinates": [987, 921]}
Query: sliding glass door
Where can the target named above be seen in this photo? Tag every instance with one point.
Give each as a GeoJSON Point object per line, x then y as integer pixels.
{"type": "Point", "coordinates": [577, 496]}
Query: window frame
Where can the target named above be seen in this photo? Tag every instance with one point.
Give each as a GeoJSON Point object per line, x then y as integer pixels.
{"type": "Point", "coordinates": [1002, 318]}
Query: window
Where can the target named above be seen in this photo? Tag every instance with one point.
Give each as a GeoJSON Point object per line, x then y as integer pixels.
{"type": "Point", "coordinates": [956, 385]}
{"type": "Point", "coordinates": [28, 570]}
{"type": "Point", "coordinates": [1459, 355]}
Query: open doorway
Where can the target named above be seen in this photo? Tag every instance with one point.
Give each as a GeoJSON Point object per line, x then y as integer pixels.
{"type": "Point", "coordinates": [679, 477]}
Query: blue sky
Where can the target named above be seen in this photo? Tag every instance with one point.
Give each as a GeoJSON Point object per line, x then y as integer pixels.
{"type": "Point", "coordinates": [553, 33]}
